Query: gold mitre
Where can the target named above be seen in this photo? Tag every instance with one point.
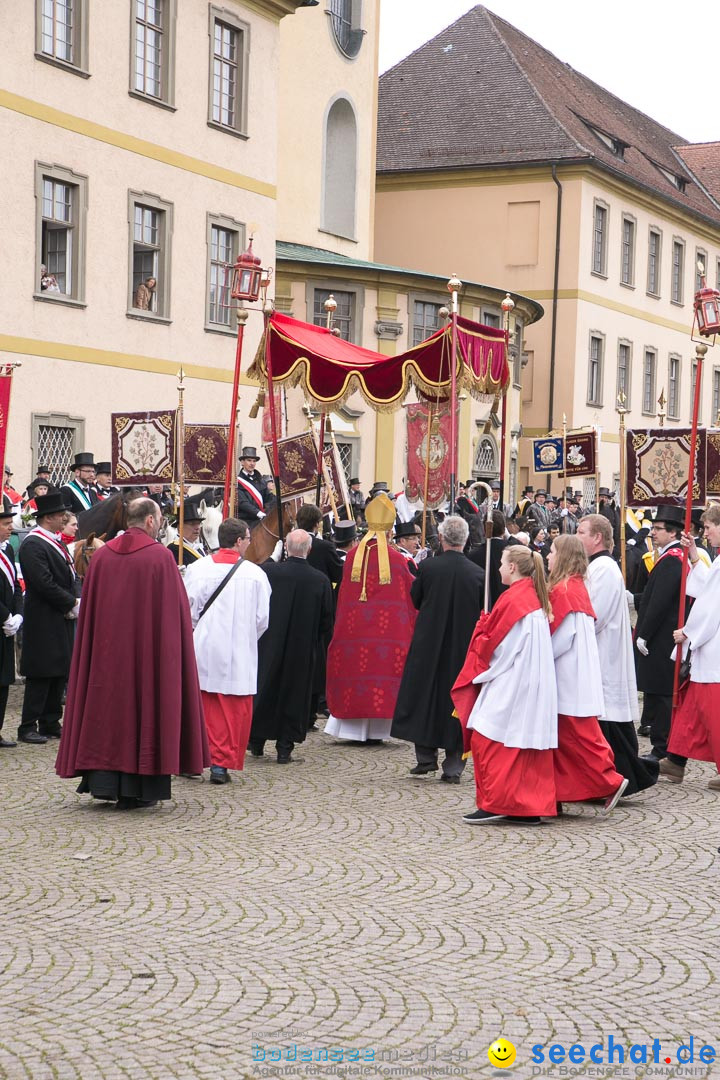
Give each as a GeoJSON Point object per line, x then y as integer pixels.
{"type": "Point", "coordinates": [380, 517]}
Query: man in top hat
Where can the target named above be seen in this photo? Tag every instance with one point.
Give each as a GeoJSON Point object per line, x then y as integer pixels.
{"type": "Point", "coordinates": [103, 481]}
{"type": "Point", "coordinates": [345, 537]}
{"type": "Point", "coordinates": [524, 502]}
{"type": "Point", "coordinates": [14, 497]}
{"type": "Point", "coordinates": [51, 606]}
{"type": "Point", "coordinates": [79, 493]}
{"type": "Point", "coordinates": [465, 504]}
{"type": "Point", "coordinates": [11, 606]}
{"type": "Point", "coordinates": [194, 546]}
{"type": "Point", "coordinates": [377, 487]}
{"type": "Point", "coordinates": [253, 494]}
{"type": "Point", "coordinates": [504, 508]}
{"type": "Point", "coordinates": [407, 541]}
{"type": "Point", "coordinates": [537, 513]}
{"type": "Point", "coordinates": [654, 643]}
{"type": "Point", "coordinates": [357, 501]}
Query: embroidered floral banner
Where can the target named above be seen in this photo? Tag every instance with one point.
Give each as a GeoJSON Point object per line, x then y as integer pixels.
{"type": "Point", "coordinates": [417, 453]}
{"type": "Point", "coordinates": [658, 460]}
{"type": "Point", "coordinates": [297, 456]}
{"type": "Point", "coordinates": [712, 466]}
{"type": "Point", "coordinates": [206, 453]}
{"type": "Point", "coordinates": [334, 480]}
{"type": "Point", "coordinates": [143, 445]}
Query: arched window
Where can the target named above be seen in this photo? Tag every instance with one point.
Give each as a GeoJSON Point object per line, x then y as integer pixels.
{"type": "Point", "coordinates": [486, 460]}
{"type": "Point", "coordinates": [340, 169]}
{"type": "Point", "coordinates": [345, 23]}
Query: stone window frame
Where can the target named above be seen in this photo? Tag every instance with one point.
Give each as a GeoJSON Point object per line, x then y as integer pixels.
{"type": "Point", "coordinates": [325, 225]}
{"type": "Point", "coordinates": [673, 407]}
{"type": "Point", "coordinates": [240, 26]}
{"type": "Point", "coordinates": [693, 375]}
{"type": "Point", "coordinates": [597, 400]}
{"type": "Point", "coordinates": [601, 270]}
{"type": "Point", "coordinates": [80, 65]}
{"type": "Point", "coordinates": [630, 219]}
{"type": "Point", "coordinates": [336, 286]}
{"type": "Point", "coordinates": [167, 60]}
{"type": "Point", "coordinates": [356, 33]}
{"type": "Point", "coordinates": [678, 242]}
{"type": "Point", "coordinates": [239, 228]}
{"type": "Point", "coordinates": [700, 253]}
{"type": "Point", "coordinates": [627, 344]}
{"type": "Point", "coordinates": [715, 395]}
{"type": "Point", "coordinates": [80, 183]}
{"type": "Point", "coordinates": [58, 420]}
{"type": "Point", "coordinates": [163, 294]}
{"type": "Point", "coordinates": [420, 297]}
{"type": "Point", "coordinates": [654, 230]}
{"type": "Point", "coordinates": [649, 408]}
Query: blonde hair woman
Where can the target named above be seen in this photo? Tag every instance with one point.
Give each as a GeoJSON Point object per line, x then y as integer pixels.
{"type": "Point", "coordinates": [506, 700]}
{"type": "Point", "coordinates": [584, 764]}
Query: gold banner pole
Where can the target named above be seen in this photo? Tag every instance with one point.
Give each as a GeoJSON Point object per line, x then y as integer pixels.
{"type": "Point", "coordinates": [621, 399]}
{"type": "Point", "coordinates": [180, 428]}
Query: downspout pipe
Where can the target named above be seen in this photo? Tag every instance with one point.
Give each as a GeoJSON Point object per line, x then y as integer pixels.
{"type": "Point", "coordinates": [553, 330]}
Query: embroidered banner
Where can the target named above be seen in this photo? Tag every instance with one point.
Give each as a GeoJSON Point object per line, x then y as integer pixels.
{"type": "Point", "coordinates": [205, 453]}
{"type": "Point", "coordinates": [712, 467]}
{"type": "Point", "coordinates": [143, 445]}
{"type": "Point", "coordinates": [417, 452]}
{"type": "Point", "coordinates": [658, 460]}
{"type": "Point", "coordinates": [267, 417]}
{"type": "Point", "coordinates": [5, 387]}
{"type": "Point", "coordinates": [297, 457]}
{"type": "Point", "coordinates": [334, 479]}
{"type": "Point", "coordinates": [548, 455]}
{"type": "Point", "coordinates": [580, 454]}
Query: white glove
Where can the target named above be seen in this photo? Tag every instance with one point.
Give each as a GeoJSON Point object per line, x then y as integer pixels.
{"type": "Point", "coordinates": [261, 515]}
{"type": "Point", "coordinates": [630, 599]}
{"type": "Point", "coordinates": [564, 512]}
{"type": "Point", "coordinates": [74, 612]}
{"type": "Point", "coordinates": [11, 625]}
{"type": "Point", "coordinates": [642, 646]}
{"type": "Point", "coordinates": [277, 552]}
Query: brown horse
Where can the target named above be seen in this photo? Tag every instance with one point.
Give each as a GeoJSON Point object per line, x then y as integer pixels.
{"type": "Point", "coordinates": [107, 518]}
{"type": "Point", "coordinates": [265, 534]}
{"type": "Point", "coordinates": [83, 553]}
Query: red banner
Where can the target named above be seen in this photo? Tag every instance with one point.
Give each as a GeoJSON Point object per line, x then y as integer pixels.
{"type": "Point", "coordinates": [298, 458]}
{"type": "Point", "coordinates": [143, 447]}
{"type": "Point", "coordinates": [334, 473]}
{"type": "Point", "coordinates": [417, 447]}
{"type": "Point", "coordinates": [205, 453]}
{"type": "Point", "coordinates": [267, 417]}
{"type": "Point", "coordinates": [580, 454]}
{"type": "Point", "coordinates": [658, 460]}
{"type": "Point", "coordinates": [5, 387]}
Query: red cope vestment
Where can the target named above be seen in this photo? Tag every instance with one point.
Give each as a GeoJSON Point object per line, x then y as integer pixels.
{"type": "Point", "coordinates": [584, 762]}
{"type": "Point", "coordinates": [133, 699]}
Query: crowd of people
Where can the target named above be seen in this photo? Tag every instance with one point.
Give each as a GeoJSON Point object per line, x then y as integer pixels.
{"type": "Point", "coordinates": [384, 625]}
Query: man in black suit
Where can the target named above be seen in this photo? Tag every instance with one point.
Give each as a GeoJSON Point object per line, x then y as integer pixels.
{"type": "Point", "coordinates": [253, 494]}
{"type": "Point", "coordinates": [11, 605]}
{"type": "Point", "coordinates": [50, 608]}
{"type": "Point", "coordinates": [79, 493]}
{"type": "Point", "coordinates": [657, 619]}
{"type": "Point", "coordinates": [300, 617]}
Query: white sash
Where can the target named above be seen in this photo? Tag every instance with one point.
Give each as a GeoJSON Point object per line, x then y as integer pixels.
{"type": "Point", "coordinates": [42, 534]}
{"type": "Point", "coordinates": [252, 491]}
{"type": "Point", "coordinates": [8, 569]}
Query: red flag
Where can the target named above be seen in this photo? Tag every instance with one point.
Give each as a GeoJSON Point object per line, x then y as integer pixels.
{"type": "Point", "coordinates": [5, 387]}
{"type": "Point", "coordinates": [417, 445]}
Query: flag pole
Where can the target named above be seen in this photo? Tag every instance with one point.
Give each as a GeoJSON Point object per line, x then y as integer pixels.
{"type": "Point", "coordinates": [242, 317]}
{"type": "Point", "coordinates": [700, 351]}
{"type": "Point", "coordinates": [330, 306]}
{"type": "Point", "coordinates": [454, 285]}
{"type": "Point", "coordinates": [268, 310]}
{"type": "Point", "coordinates": [621, 399]}
{"type": "Point", "coordinates": [180, 451]}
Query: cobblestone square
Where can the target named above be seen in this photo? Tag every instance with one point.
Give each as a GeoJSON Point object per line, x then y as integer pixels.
{"type": "Point", "coordinates": [340, 904]}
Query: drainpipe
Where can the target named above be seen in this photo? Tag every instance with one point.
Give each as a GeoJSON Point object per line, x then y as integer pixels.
{"type": "Point", "coordinates": [553, 332]}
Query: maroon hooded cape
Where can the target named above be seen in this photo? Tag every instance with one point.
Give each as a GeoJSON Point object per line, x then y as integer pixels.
{"type": "Point", "coordinates": [133, 700]}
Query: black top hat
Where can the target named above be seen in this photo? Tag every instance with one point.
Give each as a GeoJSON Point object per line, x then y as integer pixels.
{"type": "Point", "coordinates": [405, 528]}
{"type": "Point", "coordinates": [83, 458]}
{"type": "Point", "coordinates": [354, 480]}
{"type": "Point", "coordinates": [528, 489]}
{"type": "Point", "coordinates": [191, 513]}
{"type": "Point", "coordinates": [541, 491]}
{"type": "Point", "coordinates": [4, 514]}
{"type": "Point", "coordinates": [495, 485]}
{"type": "Point", "coordinates": [379, 485]}
{"type": "Point", "coordinates": [606, 492]}
{"type": "Point", "coordinates": [43, 468]}
{"type": "Point", "coordinates": [696, 516]}
{"type": "Point", "coordinates": [103, 467]}
{"type": "Point", "coordinates": [8, 470]}
{"type": "Point", "coordinates": [670, 515]}
{"type": "Point", "coordinates": [249, 452]}
{"type": "Point", "coordinates": [345, 532]}
{"type": "Point", "coordinates": [52, 503]}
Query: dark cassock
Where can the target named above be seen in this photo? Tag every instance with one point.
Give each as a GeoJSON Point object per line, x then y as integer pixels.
{"type": "Point", "coordinates": [50, 595]}
{"type": "Point", "coordinates": [448, 593]}
{"type": "Point", "coordinates": [134, 715]}
{"type": "Point", "coordinates": [478, 556]}
{"type": "Point", "coordinates": [301, 614]}
{"type": "Point", "coordinates": [324, 556]}
{"type": "Point", "coordinates": [11, 609]}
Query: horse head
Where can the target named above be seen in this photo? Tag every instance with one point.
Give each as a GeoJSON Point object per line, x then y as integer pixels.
{"type": "Point", "coordinates": [84, 551]}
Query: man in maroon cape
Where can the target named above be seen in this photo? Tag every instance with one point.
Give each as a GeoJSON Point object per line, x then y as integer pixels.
{"type": "Point", "coordinates": [134, 714]}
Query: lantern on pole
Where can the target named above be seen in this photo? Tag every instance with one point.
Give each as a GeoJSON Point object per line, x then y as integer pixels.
{"type": "Point", "coordinates": [247, 276]}
{"type": "Point", "coordinates": [707, 307]}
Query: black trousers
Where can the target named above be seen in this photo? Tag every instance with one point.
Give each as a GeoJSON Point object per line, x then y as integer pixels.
{"type": "Point", "coordinates": [657, 712]}
{"type": "Point", "coordinates": [42, 705]}
{"type": "Point", "coordinates": [3, 703]}
{"type": "Point", "coordinates": [283, 746]}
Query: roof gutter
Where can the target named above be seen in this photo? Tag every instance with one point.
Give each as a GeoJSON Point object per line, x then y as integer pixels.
{"type": "Point", "coordinates": [553, 330]}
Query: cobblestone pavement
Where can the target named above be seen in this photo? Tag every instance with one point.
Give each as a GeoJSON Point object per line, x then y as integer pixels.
{"type": "Point", "coordinates": [346, 904]}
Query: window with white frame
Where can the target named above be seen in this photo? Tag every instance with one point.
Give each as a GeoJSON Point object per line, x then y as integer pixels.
{"type": "Point", "coordinates": [150, 239]}
{"type": "Point", "coordinates": [229, 51]}
{"type": "Point", "coordinates": [56, 438]}
{"type": "Point", "coordinates": [426, 320]}
{"type": "Point", "coordinates": [61, 33]}
{"type": "Point", "coordinates": [715, 418]}
{"type": "Point", "coordinates": [595, 362]}
{"type": "Point", "coordinates": [599, 251]}
{"type": "Point", "coordinates": [627, 275]}
{"type": "Point", "coordinates": [649, 378]}
{"type": "Point", "coordinates": [700, 267]}
{"type": "Point", "coordinates": [623, 371]}
{"type": "Point", "coordinates": [225, 239]}
{"type": "Point", "coordinates": [673, 401]}
{"type": "Point", "coordinates": [693, 381]}
{"type": "Point", "coordinates": [678, 270]}
{"type": "Point", "coordinates": [343, 316]}
{"type": "Point", "coordinates": [61, 200]}
{"type": "Point", "coordinates": [152, 49]}
{"type": "Point", "coordinates": [653, 278]}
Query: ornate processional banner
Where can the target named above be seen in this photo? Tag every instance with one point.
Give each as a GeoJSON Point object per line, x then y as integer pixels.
{"type": "Point", "coordinates": [5, 387]}
{"type": "Point", "coordinates": [143, 446]}
{"type": "Point", "coordinates": [580, 453]}
{"type": "Point", "coordinates": [298, 458]}
{"type": "Point", "coordinates": [334, 481]}
{"type": "Point", "coordinates": [658, 460]}
{"type": "Point", "coordinates": [548, 454]}
{"type": "Point", "coordinates": [205, 451]}
{"type": "Point", "coordinates": [417, 452]}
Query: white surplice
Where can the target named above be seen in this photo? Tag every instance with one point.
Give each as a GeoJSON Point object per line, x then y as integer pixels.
{"type": "Point", "coordinates": [226, 637]}
{"type": "Point", "coordinates": [702, 628]}
{"type": "Point", "coordinates": [614, 640]}
{"type": "Point", "coordinates": [375, 727]}
{"type": "Point", "coordinates": [577, 666]}
{"type": "Point", "coordinates": [517, 704]}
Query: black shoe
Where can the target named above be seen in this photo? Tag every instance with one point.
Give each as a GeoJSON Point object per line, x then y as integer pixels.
{"type": "Point", "coordinates": [482, 817]}
{"type": "Point", "coordinates": [652, 759]}
{"type": "Point", "coordinates": [524, 820]}
{"type": "Point", "coordinates": [256, 751]}
{"type": "Point", "coordinates": [450, 779]}
{"type": "Point", "coordinates": [53, 733]}
{"type": "Point", "coordinates": [290, 760]}
{"type": "Point", "coordinates": [32, 737]}
{"type": "Point", "coordinates": [422, 770]}
{"type": "Point", "coordinates": [373, 742]}
{"type": "Point", "coordinates": [644, 730]}
{"type": "Point", "coordinates": [312, 729]}
{"type": "Point", "coordinates": [6, 744]}
{"type": "Point", "coordinates": [219, 775]}
{"type": "Point", "coordinates": [126, 803]}
{"type": "Point", "coordinates": [145, 804]}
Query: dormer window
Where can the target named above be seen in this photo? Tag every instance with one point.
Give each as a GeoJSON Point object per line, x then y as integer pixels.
{"type": "Point", "coordinates": [610, 142]}
{"type": "Point", "coordinates": [679, 182]}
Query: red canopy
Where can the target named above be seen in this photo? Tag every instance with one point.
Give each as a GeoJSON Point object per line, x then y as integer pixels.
{"type": "Point", "coordinates": [330, 369]}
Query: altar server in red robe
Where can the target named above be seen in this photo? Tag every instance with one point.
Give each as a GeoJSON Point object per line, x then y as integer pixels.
{"type": "Point", "coordinates": [133, 716]}
{"type": "Point", "coordinates": [506, 699]}
{"type": "Point", "coordinates": [584, 764]}
{"type": "Point", "coordinates": [373, 630]}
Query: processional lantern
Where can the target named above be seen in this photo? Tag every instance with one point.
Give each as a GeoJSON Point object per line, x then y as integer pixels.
{"type": "Point", "coordinates": [247, 276]}
{"type": "Point", "coordinates": [707, 307]}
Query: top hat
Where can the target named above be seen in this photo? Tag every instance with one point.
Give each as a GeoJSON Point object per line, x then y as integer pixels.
{"type": "Point", "coordinates": [103, 467]}
{"type": "Point", "coordinates": [541, 491]}
{"type": "Point", "coordinates": [528, 489]}
{"type": "Point", "coordinates": [43, 468]}
{"type": "Point", "coordinates": [671, 515]}
{"type": "Point", "coordinates": [405, 528]}
{"type": "Point", "coordinates": [8, 471]}
{"type": "Point", "coordinates": [249, 452]}
{"type": "Point", "coordinates": [354, 480]}
{"type": "Point", "coordinates": [345, 532]}
{"type": "Point", "coordinates": [378, 486]}
{"type": "Point", "coordinates": [495, 485]}
{"type": "Point", "coordinates": [696, 516]}
{"type": "Point", "coordinates": [191, 513]}
{"type": "Point", "coordinates": [82, 459]}
{"type": "Point", "coordinates": [52, 503]}
{"type": "Point", "coordinates": [606, 492]}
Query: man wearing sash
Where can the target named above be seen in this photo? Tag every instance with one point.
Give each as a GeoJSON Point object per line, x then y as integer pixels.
{"type": "Point", "coordinates": [103, 481]}
{"type": "Point", "coordinates": [254, 496]}
{"type": "Point", "coordinates": [51, 607]}
{"type": "Point", "coordinates": [11, 605]}
{"type": "Point", "coordinates": [193, 544]}
{"type": "Point", "coordinates": [79, 493]}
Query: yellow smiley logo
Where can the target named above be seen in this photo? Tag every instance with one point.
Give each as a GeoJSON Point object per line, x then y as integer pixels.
{"type": "Point", "coordinates": [501, 1054]}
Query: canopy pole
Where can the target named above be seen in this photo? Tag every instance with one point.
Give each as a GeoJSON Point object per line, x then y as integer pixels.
{"type": "Point", "coordinates": [700, 351]}
{"type": "Point", "coordinates": [242, 317]}
{"type": "Point", "coordinates": [621, 399]}
{"type": "Point", "coordinates": [180, 448]}
{"type": "Point", "coordinates": [454, 286]}
{"type": "Point", "coordinates": [267, 313]}
{"type": "Point", "coordinates": [488, 537]}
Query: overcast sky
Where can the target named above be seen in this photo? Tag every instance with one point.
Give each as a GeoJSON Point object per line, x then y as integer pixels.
{"type": "Point", "coordinates": [648, 53]}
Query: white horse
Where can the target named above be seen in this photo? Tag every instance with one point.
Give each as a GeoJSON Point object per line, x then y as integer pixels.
{"type": "Point", "coordinates": [212, 520]}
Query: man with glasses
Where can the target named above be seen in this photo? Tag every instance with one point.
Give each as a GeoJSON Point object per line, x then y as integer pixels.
{"type": "Point", "coordinates": [407, 540]}
{"type": "Point", "coordinates": [79, 493]}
